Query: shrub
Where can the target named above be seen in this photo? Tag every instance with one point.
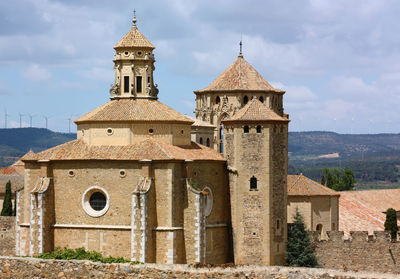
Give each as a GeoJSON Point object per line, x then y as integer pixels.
{"type": "Point", "coordinates": [81, 254]}
{"type": "Point", "coordinates": [7, 204]}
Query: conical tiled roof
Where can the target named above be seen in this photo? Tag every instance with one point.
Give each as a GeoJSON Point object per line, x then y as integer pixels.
{"type": "Point", "coordinates": [134, 39]}
{"type": "Point", "coordinates": [140, 110]}
{"type": "Point", "coordinates": [254, 110]}
{"type": "Point", "coordinates": [240, 76]}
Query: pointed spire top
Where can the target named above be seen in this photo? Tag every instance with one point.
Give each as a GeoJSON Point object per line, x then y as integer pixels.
{"type": "Point", "coordinates": [134, 19]}
{"type": "Point", "coordinates": [240, 45]}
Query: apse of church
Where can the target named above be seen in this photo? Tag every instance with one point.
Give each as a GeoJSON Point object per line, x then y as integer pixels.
{"type": "Point", "coordinates": [146, 183]}
{"type": "Point", "coordinates": [132, 184]}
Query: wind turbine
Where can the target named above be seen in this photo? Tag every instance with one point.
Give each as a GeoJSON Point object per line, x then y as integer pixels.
{"type": "Point", "coordinates": [30, 119]}
{"type": "Point", "coordinates": [20, 119]}
{"type": "Point", "coordinates": [47, 120]}
{"type": "Point", "coordinates": [5, 118]}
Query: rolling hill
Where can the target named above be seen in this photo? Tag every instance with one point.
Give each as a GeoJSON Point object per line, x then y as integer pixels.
{"type": "Point", "coordinates": [374, 158]}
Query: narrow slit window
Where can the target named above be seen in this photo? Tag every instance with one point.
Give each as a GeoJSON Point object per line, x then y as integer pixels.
{"type": "Point", "coordinates": [253, 183]}
{"type": "Point", "coordinates": [208, 142]}
{"type": "Point", "coordinates": [246, 129]}
{"type": "Point", "coordinates": [261, 99]}
{"type": "Point", "coordinates": [258, 129]}
{"type": "Point", "coordinates": [245, 99]}
{"type": "Point", "coordinates": [221, 138]}
{"type": "Point", "coordinates": [126, 84]}
{"type": "Point", "coordinates": [217, 100]}
{"type": "Point", "coordinates": [139, 84]}
{"type": "Point", "coordinates": [201, 140]}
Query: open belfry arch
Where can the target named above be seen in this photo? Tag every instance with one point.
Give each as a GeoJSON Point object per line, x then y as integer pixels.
{"type": "Point", "coordinates": [146, 183]}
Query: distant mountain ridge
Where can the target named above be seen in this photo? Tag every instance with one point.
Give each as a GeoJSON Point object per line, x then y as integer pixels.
{"type": "Point", "coordinates": [373, 157]}
{"type": "Point", "coordinates": [15, 142]}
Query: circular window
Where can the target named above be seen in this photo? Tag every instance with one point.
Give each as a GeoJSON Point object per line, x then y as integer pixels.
{"type": "Point", "coordinates": [139, 53]}
{"type": "Point", "coordinates": [126, 53]}
{"type": "Point", "coordinates": [71, 173]}
{"type": "Point", "coordinates": [95, 201]}
{"type": "Point", "coordinates": [151, 131]}
{"type": "Point", "coordinates": [122, 173]}
{"type": "Point", "coordinates": [109, 131]}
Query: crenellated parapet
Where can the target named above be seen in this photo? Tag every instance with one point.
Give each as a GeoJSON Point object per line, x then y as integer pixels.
{"type": "Point", "coordinates": [354, 236]}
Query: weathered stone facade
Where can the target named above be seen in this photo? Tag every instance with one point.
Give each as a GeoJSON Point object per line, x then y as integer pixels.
{"type": "Point", "coordinates": [18, 268]}
{"type": "Point", "coordinates": [7, 235]}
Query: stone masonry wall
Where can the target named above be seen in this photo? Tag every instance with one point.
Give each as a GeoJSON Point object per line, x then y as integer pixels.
{"type": "Point", "coordinates": [17, 268]}
{"type": "Point", "coordinates": [7, 235]}
{"type": "Point", "coordinates": [361, 252]}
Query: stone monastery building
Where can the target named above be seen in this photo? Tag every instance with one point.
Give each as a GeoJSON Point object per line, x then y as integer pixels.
{"type": "Point", "coordinates": [147, 183]}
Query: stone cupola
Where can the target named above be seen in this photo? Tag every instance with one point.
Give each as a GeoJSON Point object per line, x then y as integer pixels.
{"type": "Point", "coordinates": [134, 66]}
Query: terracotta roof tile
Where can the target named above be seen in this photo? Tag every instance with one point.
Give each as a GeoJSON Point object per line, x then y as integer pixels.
{"type": "Point", "coordinates": [254, 110]}
{"type": "Point", "coordinates": [239, 76]}
{"type": "Point", "coordinates": [134, 39]}
{"type": "Point", "coordinates": [147, 149]}
{"type": "Point", "coordinates": [364, 210]}
{"type": "Point", "coordinates": [299, 185]}
{"type": "Point", "coordinates": [200, 123]}
{"type": "Point", "coordinates": [134, 110]}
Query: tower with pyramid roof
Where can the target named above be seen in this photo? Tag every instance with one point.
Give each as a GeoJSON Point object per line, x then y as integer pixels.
{"type": "Point", "coordinates": [252, 133]}
{"type": "Point", "coordinates": [232, 90]}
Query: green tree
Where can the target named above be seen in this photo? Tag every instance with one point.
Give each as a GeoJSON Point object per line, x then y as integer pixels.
{"type": "Point", "coordinates": [391, 222]}
{"type": "Point", "coordinates": [7, 204]}
{"type": "Point", "coordinates": [348, 180]}
{"type": "Point", "coordinates": [337, 180]}
{"type": "Point", "coordinates": [299, 251]}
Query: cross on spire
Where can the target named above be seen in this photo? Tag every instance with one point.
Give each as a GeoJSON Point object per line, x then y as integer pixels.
{"type": "Point", "coordinates": [134, 19]}
{"type": "Point", "coordinates": [240, 45]}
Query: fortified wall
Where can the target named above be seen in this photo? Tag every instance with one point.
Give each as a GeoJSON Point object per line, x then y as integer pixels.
{"type": "Point", "coordinates": [18, 268]}
{"type": "Point", "coordinates": [360, 252]}
{"type": "Point", "coordinates": [7, 235]}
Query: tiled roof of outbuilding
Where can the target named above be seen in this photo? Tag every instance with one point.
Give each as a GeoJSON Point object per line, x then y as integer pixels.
{"type": "Point", "coordinates": [364, 210]}
{"type": "Point", "coordinates": [134, 39]}
{"type": "Point", "coordinates": [128, 109]}
{"type": "Point", "coordinates": [254, 110]}
{"type": "Point", "coordinates": [14, 174]}
{"type": "Point", "coordinates": [148, 149]}
{"type": "Point", "coordinates": [240, 76]}
{"type": "Point", "coordinates": [299, 185]}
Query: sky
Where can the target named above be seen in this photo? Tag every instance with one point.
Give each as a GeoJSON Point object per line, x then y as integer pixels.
{"type": "Point", "coordinates": [338, 60]}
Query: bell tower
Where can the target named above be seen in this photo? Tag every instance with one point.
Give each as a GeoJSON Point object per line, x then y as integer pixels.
{"type": "Point", "coordinates": [134, 66]}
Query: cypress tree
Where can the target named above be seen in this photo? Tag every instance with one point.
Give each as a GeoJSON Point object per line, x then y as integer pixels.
{"type": "Point", "coordinates": [391, 222]}
{"type": "Point", "coordinates": [299, 251]}
{"type": "Point", "coordinates": [7, 204]}
{"type": "Point", "coordinates": [15, 206]}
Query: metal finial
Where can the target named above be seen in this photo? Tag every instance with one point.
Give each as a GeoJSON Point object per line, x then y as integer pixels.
{"type": "Point", "coordinates": [240, 44]}
{"type": "Point", "coordinates": [134, 19]}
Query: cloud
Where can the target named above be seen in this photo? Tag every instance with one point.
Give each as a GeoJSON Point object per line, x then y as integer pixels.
{"type": "Point", "coordinates": [37, 73]}
{"type": "Point", "coordinates": [99, 74]}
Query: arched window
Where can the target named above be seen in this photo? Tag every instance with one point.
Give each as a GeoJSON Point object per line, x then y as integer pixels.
{"type": "Point", "coordinates": [258, 129]}
{"type": "Point", "coordinates": [221, 138]}
{"type": "Point", "coordinates": [208, 142]}
{"type": "Point", "coordinates": [253, 183]}
{"type": "Point", "coordinates": [245, 99]}
{"type": "Point", "coordinates": [217, 100]}
{"type": "Point", "coordinates": [246, 129]}
{"type": "Point", "coordinates": [261, 99]}
{"type": "Point", "coordinates": [201, 140]}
